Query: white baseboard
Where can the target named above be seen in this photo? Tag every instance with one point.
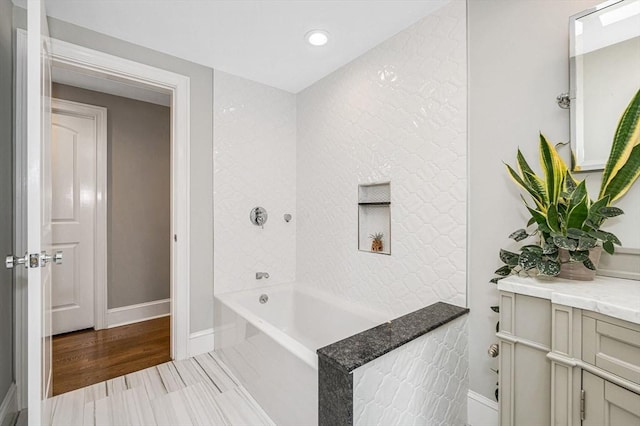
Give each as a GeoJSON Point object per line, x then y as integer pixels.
{"type": "Point", "coordinates": [481, 411]}
{"type": "Point", "coordinates": [136, 313]}
{"type": "Point", "coordinates": [201, 342]}
{"type": "Point", "coordinates": [9, 406]}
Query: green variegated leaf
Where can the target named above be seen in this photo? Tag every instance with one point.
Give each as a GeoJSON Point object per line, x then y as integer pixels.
{"type": "Point", "coordinates": [528, 260]}
{"type": "Point", "coordinates": [503, 271]}
{"type": "Point", "coordinates": [569, 182]}
{"type": "Point", "coordinates": [585, 243]}
{"type": "Point", "coordinates": [589, 264]}
{"type": "Point", "coordinates": [540, 219]}
{"type": "Point", "coordinates": [610, 211]}
{"type": "Point", "coordinates": [612, 238]}
{"type": "Point", "coordinates": [625, 141]}
{"type": "Point", "coordinates": [496, 309]}
{"type": "Point", "coordinates": [605, 236]}
{"type": "Point", "coordinates": [495, 280]}
{"type": "Point", "coordinates": [579, 255]}
{"type": "Point", "coordinates": [594, 215]}
{"type": "Point", "coordinates": [576, 233]}
{"type": "Point", "coordinates": [537, 185]}
{"type": "Point", "coordinates": [578, 194]}
{"type": "Point", "coordinates": [548, 267]}
{"type": "Point", "coordinates": [552, 218]}
{"type": "Point", "coordinates": [565, 243]}
{"type": "Point", "coordinates": [531, 221]}
{"type": "Point", "coordinates": [524, 185]}
{"type": "Point", "coordinates": [608, 247]}
{"type": "Point", "coordinates": [578, 214]}
{"type": "Point", "coordinates": [549, 249]}
{"type": "Point", "coordinates": [591, 225]}
{"type": "Point", "coordinates": [626, 176]}
{"type": "Point", "coordinates": [533, 248]}
{"type": "Point", "coordinates": [554, 169]}
{"type": "Point", "coordinates": [519, 235]}
{"type": "Point", "coordinates": [508, 257]}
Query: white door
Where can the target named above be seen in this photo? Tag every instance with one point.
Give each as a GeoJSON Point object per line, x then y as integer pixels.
{"type": "Point", "coordinates": [73, 213]}
{"type": "Point", "coordinates": [38, 213]}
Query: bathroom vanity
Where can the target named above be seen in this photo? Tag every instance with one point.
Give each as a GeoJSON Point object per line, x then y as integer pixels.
{"type": "Point", "coordinates": [569, 352]}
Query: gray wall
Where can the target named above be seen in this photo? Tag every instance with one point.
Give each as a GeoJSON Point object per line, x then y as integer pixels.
{"type": "Point", "coordinates": [139, 195]}
{"type": "Point", "coordinates": [518, 64]}
{"type": "Point", "coordinates": [6, 195]}
{"type": "Point", "coordinates": [201, 108]}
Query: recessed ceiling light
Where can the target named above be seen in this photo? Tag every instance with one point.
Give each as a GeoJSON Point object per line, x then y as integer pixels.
{"type": "Point", "coordinates": [317, 37]}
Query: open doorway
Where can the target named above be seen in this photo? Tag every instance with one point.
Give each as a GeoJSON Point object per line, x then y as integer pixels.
{"type": "Point", "coordinates": [111, 218]}
{"type": "Point", "coordinates": [134, 75]}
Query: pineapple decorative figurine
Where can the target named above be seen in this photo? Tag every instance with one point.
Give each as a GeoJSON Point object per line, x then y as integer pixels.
{"type": "Point", "coordinates": [376, 241]}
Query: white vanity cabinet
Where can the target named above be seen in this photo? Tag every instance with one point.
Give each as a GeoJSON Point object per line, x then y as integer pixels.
{"type": "Point", "coordinates": [569, 352]}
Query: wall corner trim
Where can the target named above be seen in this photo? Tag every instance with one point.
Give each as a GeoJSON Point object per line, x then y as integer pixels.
{"type": "Point", "coordinates": [9, 405]}
{"type": "Point", "coordinates": [201, 342]}
{"type": "Point", "coordinates": [481, 411]}
{"type": "Point", "coordinates": [139, 312]}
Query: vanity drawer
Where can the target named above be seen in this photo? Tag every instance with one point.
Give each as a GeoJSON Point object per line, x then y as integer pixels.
{"type": "Point", "coordinates": [612, 345]}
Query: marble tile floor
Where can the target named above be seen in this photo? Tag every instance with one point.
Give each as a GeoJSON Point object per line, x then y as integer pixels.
{"type": "Point", "coordinates": [196, 391]}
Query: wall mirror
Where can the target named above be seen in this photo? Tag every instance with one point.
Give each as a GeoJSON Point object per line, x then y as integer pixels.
{"type": "Point", "coordinates": [605, 74]}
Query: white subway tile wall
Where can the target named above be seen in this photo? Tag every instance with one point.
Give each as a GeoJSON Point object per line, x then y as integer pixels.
{"type": "Point", "coordinates": [254, 165]}
{"type": "Point", "coordinates": [398, 113]}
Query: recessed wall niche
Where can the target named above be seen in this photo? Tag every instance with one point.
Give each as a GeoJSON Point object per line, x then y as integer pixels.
{"type": "Point", "coordinates": [374, 218]}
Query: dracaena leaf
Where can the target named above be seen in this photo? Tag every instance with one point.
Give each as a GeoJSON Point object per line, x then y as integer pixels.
{"type": "Point", "coordinates": [496, 309]}
{"type": "Point", "coordinates": [625, 141]}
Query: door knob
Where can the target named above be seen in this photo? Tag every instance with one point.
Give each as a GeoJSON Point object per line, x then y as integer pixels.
{"type": "Point", "coordinates": [56, 258]}
{"type": "Point", "coordinates": [11, 261]}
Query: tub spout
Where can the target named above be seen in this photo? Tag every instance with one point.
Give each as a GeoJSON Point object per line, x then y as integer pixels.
{"type": "Point", "coordinates": [261, 275]}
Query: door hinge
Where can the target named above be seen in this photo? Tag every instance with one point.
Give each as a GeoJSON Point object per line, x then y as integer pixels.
{"type": "Point", "coordinates": [582, 407]}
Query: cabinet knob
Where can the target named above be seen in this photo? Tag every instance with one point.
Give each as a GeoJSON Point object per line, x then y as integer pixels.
{"type": "Point", "coordinates": [494, 350]}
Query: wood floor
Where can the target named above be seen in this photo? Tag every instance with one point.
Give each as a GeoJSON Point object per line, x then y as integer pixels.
{"type": "Point", "coordinates": [83, 358]}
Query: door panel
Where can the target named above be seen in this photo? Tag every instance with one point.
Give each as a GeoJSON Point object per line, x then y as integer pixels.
{"type": "Point", "coordinates": [38, 91]}
{"type": "Point", "coordinates": [607, 404]}
{"type": "Point", "coordinates": [73, 218]}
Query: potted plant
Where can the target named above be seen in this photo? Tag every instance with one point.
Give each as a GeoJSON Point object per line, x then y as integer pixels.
{"type": "Point", "coordinates": [376, 241]}
{"type": "Point", "coordinates": [565, 221]}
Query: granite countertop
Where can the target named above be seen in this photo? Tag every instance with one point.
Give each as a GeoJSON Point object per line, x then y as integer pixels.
{"type": "Point", "coordinates": [615, 297]}
{"type": "Point", "coordinates": [359, 349]}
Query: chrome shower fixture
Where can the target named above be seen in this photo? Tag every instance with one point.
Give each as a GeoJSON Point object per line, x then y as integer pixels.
{"type": "Point", "coordinates": [258, 216]}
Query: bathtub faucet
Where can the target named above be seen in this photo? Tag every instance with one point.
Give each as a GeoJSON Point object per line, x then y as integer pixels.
{"type": "Point", "coordinates": [261, 275]}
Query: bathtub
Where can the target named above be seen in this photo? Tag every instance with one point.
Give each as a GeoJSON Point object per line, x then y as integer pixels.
{"type": "Point", "coordinates": [271, 347]}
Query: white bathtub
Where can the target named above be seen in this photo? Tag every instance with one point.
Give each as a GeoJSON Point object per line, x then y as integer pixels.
{"type": "Point", "coordinates": [271, 347]}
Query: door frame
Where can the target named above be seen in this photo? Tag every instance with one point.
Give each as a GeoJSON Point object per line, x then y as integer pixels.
{"type": "Point", "coordinates": [99, 116]}
{"type": "Point", "coordinates": [111, 67]}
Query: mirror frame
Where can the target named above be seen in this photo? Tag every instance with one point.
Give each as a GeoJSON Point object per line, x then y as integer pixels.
{"type": "Point", "coordinates": [577, 158]}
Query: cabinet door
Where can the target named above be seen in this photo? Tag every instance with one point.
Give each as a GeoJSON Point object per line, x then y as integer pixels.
{"type": "Point", "coordinates": [607, 404]}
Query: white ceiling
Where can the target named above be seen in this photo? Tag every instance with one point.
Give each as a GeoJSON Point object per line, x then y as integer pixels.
{"type": "Point", "coordinates": [259, 40]}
